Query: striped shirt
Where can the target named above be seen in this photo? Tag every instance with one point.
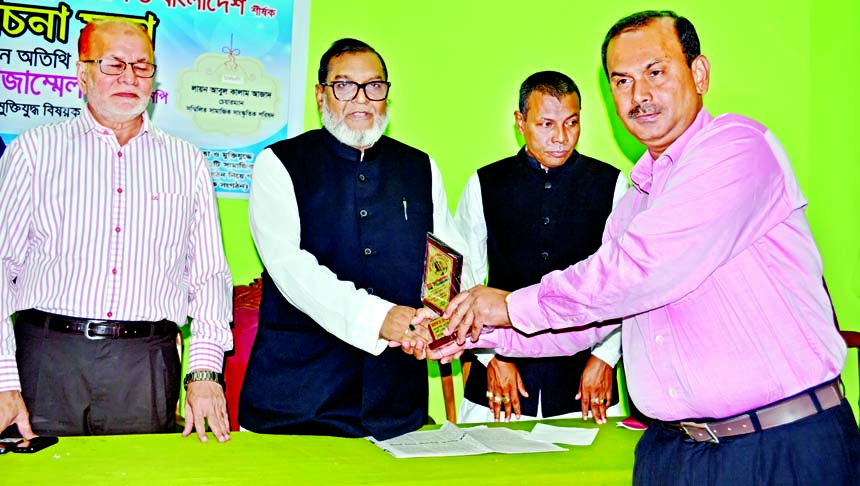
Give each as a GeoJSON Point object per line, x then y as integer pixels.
{"type": "Point", "coordinates": [94, 230]}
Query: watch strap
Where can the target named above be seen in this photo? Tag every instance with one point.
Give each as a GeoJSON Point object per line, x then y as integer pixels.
{"type": "Point", "coordinates": [204, 375]}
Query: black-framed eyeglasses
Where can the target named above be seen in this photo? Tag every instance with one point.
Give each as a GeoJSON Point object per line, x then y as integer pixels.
{"type": "Point", "coordinates": [115, 67]}
{"type": "Point", "coordinates": [348, 90]}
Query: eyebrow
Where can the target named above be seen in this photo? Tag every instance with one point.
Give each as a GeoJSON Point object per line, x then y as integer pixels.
{"type": "Point", "coordinates": [118, 58]}
{"type": "Point", "coordinates": [545, 119]}
{"type": "Point", "coordinates": [647, 67]}
{"type": "Point", "coordinates": [652, 63]}
{"type": "Point", "coordinates": [344, 77]}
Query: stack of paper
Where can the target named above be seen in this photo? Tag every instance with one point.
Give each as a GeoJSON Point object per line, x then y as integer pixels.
{"type": "Point", "coordinates": [453, 441]}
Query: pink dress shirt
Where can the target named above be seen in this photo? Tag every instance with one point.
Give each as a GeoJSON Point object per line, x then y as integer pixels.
{"type": "Point", "coordinates": [712, 265]}
{"type": "Point", "coordinates": [93, 230]}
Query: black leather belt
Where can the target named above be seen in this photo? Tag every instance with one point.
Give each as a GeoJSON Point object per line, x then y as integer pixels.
{"type": "Point", "coordinates": [783, 412]}
{"type": "Point", "coordinates": [97, 329]}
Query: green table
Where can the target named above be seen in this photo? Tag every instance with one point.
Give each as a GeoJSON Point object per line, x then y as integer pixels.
{"type": "Point", "coordinates": [271, 459]}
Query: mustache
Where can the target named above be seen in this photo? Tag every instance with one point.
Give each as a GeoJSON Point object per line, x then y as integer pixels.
{"type": "Point", "coordinates": [642, 109]}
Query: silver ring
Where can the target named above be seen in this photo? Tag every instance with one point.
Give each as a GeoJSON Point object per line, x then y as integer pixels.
{"type": "Point", "coordinates": [596, 401]}
{"type": "Point", "coordinates": [489, 394]}
{"type": "Point", "coordinates": [497, 399]}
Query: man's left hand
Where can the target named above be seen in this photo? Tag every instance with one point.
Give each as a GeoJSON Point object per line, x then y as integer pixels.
{"type": "Point", "coordinates": [446, 353]}
{"type": "Point", "coordinates": [205, 401]}
{"type": "Point", "coordinates": [595, 389]}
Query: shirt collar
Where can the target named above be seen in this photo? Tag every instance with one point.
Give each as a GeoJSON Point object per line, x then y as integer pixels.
{"type": "Point", "coordinates": [86, 123]}
{"type": "Point", "coordinates": [349, 153]}
{"type": "Point", "coordinates": [532, 162]}
{"type": "Point", "coordinates": [643, 172]}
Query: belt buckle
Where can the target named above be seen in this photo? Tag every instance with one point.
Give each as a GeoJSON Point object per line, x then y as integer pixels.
{"type": "Point", "coordinates": [93, 337]}
{"type": "Point", "coordinates": [688, 426]}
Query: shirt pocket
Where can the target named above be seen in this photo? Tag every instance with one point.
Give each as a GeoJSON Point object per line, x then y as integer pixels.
{"type": "Point", "coordinates": [161, 222]}
{"type": "Point", "coordinates": [418, 213]}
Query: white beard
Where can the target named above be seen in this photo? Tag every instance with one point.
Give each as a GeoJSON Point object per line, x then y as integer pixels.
{"type": "Point", "coordinates": [348, 136]}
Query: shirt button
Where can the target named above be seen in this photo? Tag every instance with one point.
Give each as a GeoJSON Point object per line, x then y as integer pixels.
{"type": "Point", "coordinates": [546, 220]}
{"type": "Point", "coordinates": [119, 190]}
{"type": "Point", "coordinates": [368, 251]}
{"type": "Point", "coordinates": [370, 290]}
{"type": "Point", "coordinates": [110, 314]}
{"type": "Point", "coordinates": [363, 213]}
{"type": "Point", "coordinates": [659, 339]}
{"type": "Point", "coordinates": [547, 185]}
{"type": "Point", "coordinates": [544, 255]}
{"type": "Point", "coordinates": [362, 178]}
{"type": "Point", "coordinates": [117, 229]}
{"type": "Point", "coordinates": [113, 271]}
{"type": "Point", "coordinates": [119, 154]}
{"type": "Point", "coordinates": [673, 393]}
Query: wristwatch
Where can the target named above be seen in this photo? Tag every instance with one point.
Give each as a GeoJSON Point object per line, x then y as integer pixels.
{"type": "Point", "coordinates": [203, 376]}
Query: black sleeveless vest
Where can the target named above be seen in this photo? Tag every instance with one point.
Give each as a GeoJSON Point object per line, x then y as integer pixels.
{"type": "Point", "coordinates": [301, 379]}
{"type": "Point", "coordinates": [538, 222]}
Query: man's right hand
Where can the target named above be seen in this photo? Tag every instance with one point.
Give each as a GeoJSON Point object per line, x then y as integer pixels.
{"type": "Point", "coordinates": [504, 386]}
{"type": "Point", "coordinates": [13, 411]}
{"type": "Point", "coordinates": [398, 329]}
{"type": "Point", "coordinates": [474, 309]}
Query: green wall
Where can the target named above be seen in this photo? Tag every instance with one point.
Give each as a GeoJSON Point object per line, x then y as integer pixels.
{"type": "Point", "coordinates": [831, 185]}
{"type": "Point", "coordinates": [456, 66]}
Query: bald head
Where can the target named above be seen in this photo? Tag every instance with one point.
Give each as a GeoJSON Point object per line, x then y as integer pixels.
{"type": "Point", "coordinates": [97, 36]}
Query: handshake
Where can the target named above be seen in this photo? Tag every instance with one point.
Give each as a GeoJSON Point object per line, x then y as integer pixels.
{"type": "Point", "coordinates": [468, 314]}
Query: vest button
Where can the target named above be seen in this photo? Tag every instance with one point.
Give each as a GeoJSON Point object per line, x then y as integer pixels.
{"type": "Point", "coordinates": [362, 177]}
{"type": "Point", "coordinates": [544, 255]}
{"type": "Point", "coordinates": [368, 251]}
{"type": "Point", "coordinates": [363, 213]}
{"type": "Point", "coordinates": [370, 290]}
{"type": "Point", "coordinates": [546, 220]}
{"type": "Point", "coordinates": [547, 185]}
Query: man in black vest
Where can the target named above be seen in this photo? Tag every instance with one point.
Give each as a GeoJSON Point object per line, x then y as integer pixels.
{"type": "Point", "coordinates": [339, 216]}
{"type": "Point", "coordinates": [527, 215]}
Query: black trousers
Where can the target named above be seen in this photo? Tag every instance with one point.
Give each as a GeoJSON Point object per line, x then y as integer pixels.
{"type": "Point", "coordinates": [76, 386]}
{"type": "Point", "coordinates": [823, 449]}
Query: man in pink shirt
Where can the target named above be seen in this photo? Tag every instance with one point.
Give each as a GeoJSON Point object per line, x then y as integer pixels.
{"type": "Point", "coordinates": [727, 332]}
{"type": "Point", "coordinates": [109, 238]}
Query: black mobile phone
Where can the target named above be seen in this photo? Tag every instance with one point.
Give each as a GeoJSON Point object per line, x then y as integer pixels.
{"type": "Point", "coordinates": [6, 445]}
{"type": "Point", "coordinates": [35, 444]}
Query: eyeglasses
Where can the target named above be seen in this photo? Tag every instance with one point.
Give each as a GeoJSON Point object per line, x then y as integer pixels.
{"type": "Point", "coordinates": [348, 90]}
{"type": "Point", "coordinates": [115, 67]}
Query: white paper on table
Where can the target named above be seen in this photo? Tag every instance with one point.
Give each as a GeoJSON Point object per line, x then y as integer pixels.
{"type": "Point", "coordinates": [453, 441]}
{"type": "Point", "coordinates": [447, 441]}
{"type": "Point", "coordinates": [564, 435]}
{"type": "Point", "coordinates": [508, 441]}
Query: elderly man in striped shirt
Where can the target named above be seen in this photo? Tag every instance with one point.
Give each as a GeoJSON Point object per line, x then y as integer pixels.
{"type": "Point", "coordinates": [109, 238]}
